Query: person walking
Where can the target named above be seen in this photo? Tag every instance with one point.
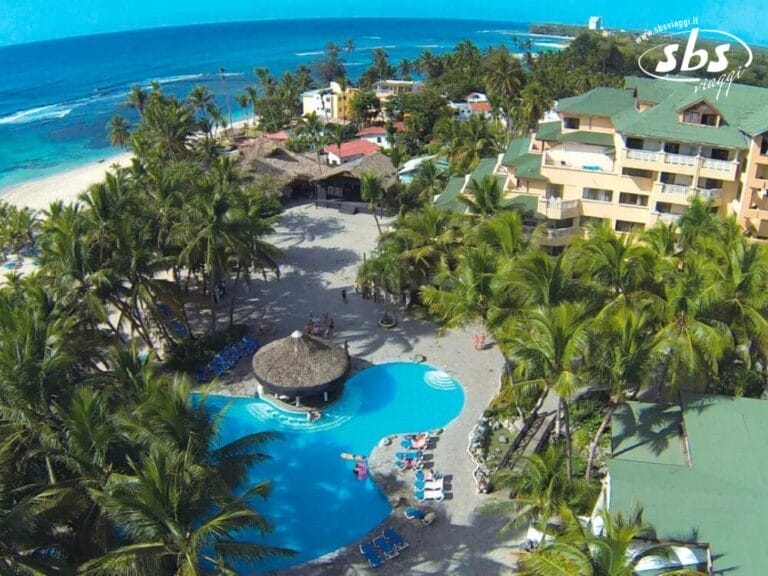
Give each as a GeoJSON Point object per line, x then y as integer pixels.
{"type": "Point", "coordinates": [344, 295]}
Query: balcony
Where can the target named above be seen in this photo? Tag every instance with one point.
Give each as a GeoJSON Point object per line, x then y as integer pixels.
{"type": "Point", "coordinates": [557, 236]}
{"type": "Point", "coordinates": [667, 217]}
{"type": "Point", "coordinates": [680, 159]}
{"type": "Point", "coordinates": [558, 209]}
{"type": "Point", "coordinates": [676, 189]}
{"type": "Point", "coordinates": [583, 161]}
{"type": "Point", "coordinates": [719, 169]}
{"type": "Point", "coordinates": [709, 193]}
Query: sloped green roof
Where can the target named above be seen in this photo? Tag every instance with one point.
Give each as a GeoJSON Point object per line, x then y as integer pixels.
{"type": "Point", "coordinates": [649, 90]}
{"type": "Point", "coordinates": [529, 166]}
{"type": "Point", "coordinates": [516, 148]}
{"type": "Point", "coordinates": [594, 138]}
{"type": "Point", "coordinates": [525, 202]}
{"type": "Point", "coordinates": [598, 102]}
{"type": "Point", "coordinates": [720, 498]}
{"type": "Point", "coordinates": [549, 131]}
{"type": "Point", "coordinates": [447, 200]}
{"type": "Point", "coordinates": [484, 168]}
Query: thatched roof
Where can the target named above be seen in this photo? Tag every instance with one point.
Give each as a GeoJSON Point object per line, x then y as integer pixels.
{"type": "Point", "coordinates": [378, 163]}
{"type": "Point", "coordinates": [267, 157]}
{"type": "Point", "coordinates": [300, 365]}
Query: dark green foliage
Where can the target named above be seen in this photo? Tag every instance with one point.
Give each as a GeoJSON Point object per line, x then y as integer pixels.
{"type": "Point", "coordinates": [188, 355]}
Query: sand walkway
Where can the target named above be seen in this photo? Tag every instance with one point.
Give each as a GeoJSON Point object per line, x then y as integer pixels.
{"type": "Point", "coordinates": [322, 252]}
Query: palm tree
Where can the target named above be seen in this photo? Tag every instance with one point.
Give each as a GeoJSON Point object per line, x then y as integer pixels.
{"type": "Point", "coordinates": [137, 98]}
{"type": "Point", "coordinates": [534, 101]}
{"type": "Point", "coordinates": [622, 356]}
{"type": "Point", "coordinates": [487, 196]}
{"type": "Point", "coordinates": [118, 131]}
{"type": "Point", "coordinates": [504, 80]}
{"type": "Point", "coordinates": [546, 346]}
{"type": "Point", "coordinates": [372, 191]}
{"type": "Point", "coordinates": [540, 490]}
{"type": "Point", "coordinates": [613, 553]}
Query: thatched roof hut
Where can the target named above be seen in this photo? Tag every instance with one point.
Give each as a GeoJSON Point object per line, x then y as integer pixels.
{"type": "Point", "coordinates": [265, 156]}
{"type": "Point", "coordinates": [378, 164]}
{"type": "Point", "coordinates": [300, 365]}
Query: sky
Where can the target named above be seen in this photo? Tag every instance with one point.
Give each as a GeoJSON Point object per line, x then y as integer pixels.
{"type": "Point", "coordinates": [24, 21]}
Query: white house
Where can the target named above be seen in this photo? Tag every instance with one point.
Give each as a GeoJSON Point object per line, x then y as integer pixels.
{"type": "Point", "coordinates": [595, 23]}
{"type": "Point", "coordinates": [349, 151]}
{"type": "Point", "coordinates": [319, 101]}
{"type": "Point", "coordinates": [475, 97]}
{"type": "Point", "coordinates": [375, 135]}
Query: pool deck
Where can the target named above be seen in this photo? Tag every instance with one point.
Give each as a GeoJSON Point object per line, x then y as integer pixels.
{"type": "Point", "coordinates": [322, 250]}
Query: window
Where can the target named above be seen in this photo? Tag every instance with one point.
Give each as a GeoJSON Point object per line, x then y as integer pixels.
{"type": "Point", "coordinates": [554, 191]}
{"type": "Point", "coordinates": [764, 146]}
{"type": "Point", "coordinates": [709, 119]}
{"type": "Point", "coordinates": [692, 117]}
{"type": "Point", "coordinates": [571, 123]}
{"type": "Point", "coordinates": [591, 221]}
{"type": "Point", "coordinates": [636, 172]}
{"type": "Point", "coordinates": [560, 224]}
{"type": "Point", "coordinates": [663, 207]}
{"type": "Point", "coordinates": [628, 227]}
{"type": "Point", "coordinates": [597, 194]}
{"type": "Point", "coordinates": [635, 143]}
{"type": "Point", "coordinates": [671, 147]}
{"type": "Point", "coordinates": [719, 154]}
{"type": "Point", "coordinates": [710, 183]}
{"type": "Point", "coordinates": [633, 199]}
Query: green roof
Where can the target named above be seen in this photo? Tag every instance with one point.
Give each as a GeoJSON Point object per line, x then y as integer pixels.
{"type": "Point", "coordinates": [516, 148]}
{"type": "Point", "coordinates": [552, 131]}
{"type": "Point", "coordinates": [598, 102]}
{"type": "Point", "coordinates": [711, 489]}
{"type": "Point", "coordinates": [525, 202]}
{"type": "Point", "coordinates": [529, 166]}
{"type": "Point", "coordinates": [484, 168]}
{"type": "Point", "coordinates": [447, 199]}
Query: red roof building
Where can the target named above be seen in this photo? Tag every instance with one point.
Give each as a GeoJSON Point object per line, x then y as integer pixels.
{"type": "Point", "coordinates": [372, 131]}
{"type": "Point", "coordinates": [349, 151]}
{"type": "Point", "coordinates": [478, 107]}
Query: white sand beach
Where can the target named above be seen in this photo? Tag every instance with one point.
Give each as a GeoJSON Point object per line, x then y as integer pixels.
{"type": "Point", "coordinates": [66, 186]}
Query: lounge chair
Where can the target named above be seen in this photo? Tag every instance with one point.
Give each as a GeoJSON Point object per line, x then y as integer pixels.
{"type": "Point", "coordinates": [404, 465]}
{"type": "Point", "coordinates": [386, 547]}
{"type": "Point", "coordinates": [419, 443]}
{"type": "Point", "coordinates": [426, 518]}
{"type": "Point", "coordinates": [422, 495]}
{"type": "Point", "coordinates": [427, 475]}
{"type": "Point", "coordinates": [395, 538]}
{"type": "Point", "coordinates": [367, 550]}
{"type": "Point", "coordinates": [417, 455]}
{"type": "Point", "coordinates": [428, 485]}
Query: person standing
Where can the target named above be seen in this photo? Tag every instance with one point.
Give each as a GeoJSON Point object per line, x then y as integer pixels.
{"type": "Point", "coordinates": [344, 295]}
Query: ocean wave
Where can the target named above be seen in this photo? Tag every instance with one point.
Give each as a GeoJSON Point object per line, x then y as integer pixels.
{"type": "Point", "coordinates": [230, 74]}
{"type": "Point", "coordinates": [354, 63]}
{"type": "Point", "coordinates": [556, 45]}
{"type": "Point", "coordinates": [179, 78]}
{"type": "Point", "coordinates": [388, 47]}
{"type": "Point", "coordinates": [429, 46]}
{"type": "Point", "coordinates": [49, 112]}
{"type": "Point", "coordinates": [312, 53]}
{"type": "Point", "coordinates": [372, 37]}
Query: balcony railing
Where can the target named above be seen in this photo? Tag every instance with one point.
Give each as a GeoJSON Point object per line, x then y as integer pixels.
{"type": "Point", "coordinates": [680, 159]}
{"type": "Point", "coordinates": [709, 193]}
{"type": "Point", "coordinates": [644, 155]}
{"type": "Point", "coordinates": [560, 232]}
{"type": "Point", "coordinates": [668, 217]}
{"type": "Point", "coordinates": [721, 165]}
{"type": "Point", "coordinates": [675, 189]}
{"type": "Point", "coordinates": [560, 204]}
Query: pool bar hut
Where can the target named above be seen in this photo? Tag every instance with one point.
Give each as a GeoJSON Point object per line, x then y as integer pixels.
{"type": "Point", "coordinates": [300, 366]}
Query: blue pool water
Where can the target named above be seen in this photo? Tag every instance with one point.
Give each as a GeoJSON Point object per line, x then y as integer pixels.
{"type": "Point", "coordinates": [317, 505]}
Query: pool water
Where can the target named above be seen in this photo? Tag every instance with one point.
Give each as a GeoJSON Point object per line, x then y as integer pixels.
{"type": "Point", "coordinates": [317, 505]}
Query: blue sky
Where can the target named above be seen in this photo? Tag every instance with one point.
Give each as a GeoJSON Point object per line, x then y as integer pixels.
{"type": "Point", "coordinates": [32, 20]}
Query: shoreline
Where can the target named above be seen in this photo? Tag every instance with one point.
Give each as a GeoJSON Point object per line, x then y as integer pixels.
{"type": "Point", "coordinates": [67, 185]}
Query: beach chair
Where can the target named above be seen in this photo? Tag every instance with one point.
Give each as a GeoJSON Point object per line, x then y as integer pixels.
{"type": "Point", "coordinates": [404, 465]}
{"type": "Point", "coordinates": [416, 455]}
{"type": "Point", "coordinates": [427, 475]}
{"type": "Point", "coordinates": [436, 495]}
{"type": "Point", "coordinates": [395, 538]}
{"type": "Point", "coordinates": [428, 485]}
{"type": "Point", "coordinates": [367, 550]}
{"type": "Point", "coordinates": [385, 547]}
{"type": "Point", "coordinates": [426, 518]}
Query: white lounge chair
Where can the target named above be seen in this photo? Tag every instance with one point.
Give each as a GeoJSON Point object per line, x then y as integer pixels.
{"type": "Point", "coordinates": [437, 495]}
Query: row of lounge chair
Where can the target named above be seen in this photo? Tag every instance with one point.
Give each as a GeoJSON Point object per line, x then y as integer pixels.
{"type": "Point", "coordinates": [227, 358]}
{"type": "Point", "coordinates": [409, 460]}
{"type": "Point", "coordinates": [174, 323]}
{"type": "Point", "coordinates": [384, 547]}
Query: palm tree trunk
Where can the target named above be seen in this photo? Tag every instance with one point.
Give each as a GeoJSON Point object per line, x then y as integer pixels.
{"type": "Point", "coordinates": [376, 219]}
{"type": "Point", "coordinates": [213, 302]}
{"type": "Point", "coordinates": [232, 298]}
{"type": "Point", "coordinates": [596, 440]}
{"type": "Point", "coordinates": [568, 445]}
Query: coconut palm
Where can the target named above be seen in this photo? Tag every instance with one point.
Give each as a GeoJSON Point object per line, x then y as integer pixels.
{"type": "Point", "coordinates": [612, 553]}
{"type": "Point", "coordinates": [487, 196]}
{"type": "Point", "coordinates": [119, 132]}
{"type": "Point", "coordinates": [539, 491]}
{"type": "Point", "coordinates": [621, 358]}
{"type": "Point", "coordinates": [372, 191]}
{"type": "Point", "coordinates": [137, 98]}
{"type": "Point", "coordinates": [546, 345]}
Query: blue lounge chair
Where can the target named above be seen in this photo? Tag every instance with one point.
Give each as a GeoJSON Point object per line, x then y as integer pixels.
{"type": "Point", "coordinates": [367, 550]}
{"type": "Point", "coordinates": [386, 547]}
{"type": "Point", "coordinates": [426, 518]}
{"type": "Point", "coordinates": [409, 455]}
{"type": "Point", "coordinates": [395, 538]}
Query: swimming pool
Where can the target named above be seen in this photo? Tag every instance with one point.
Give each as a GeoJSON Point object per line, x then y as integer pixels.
{"type": "Point", "coordinates": [317, 505]}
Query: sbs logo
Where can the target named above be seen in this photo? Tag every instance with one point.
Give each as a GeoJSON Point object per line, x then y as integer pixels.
{"type": "Point", "coordinates": [669, 59]}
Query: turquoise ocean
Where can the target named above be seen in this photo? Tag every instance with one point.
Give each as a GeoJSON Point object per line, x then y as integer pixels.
{"type": "Point", "coordinates": [56, 97]}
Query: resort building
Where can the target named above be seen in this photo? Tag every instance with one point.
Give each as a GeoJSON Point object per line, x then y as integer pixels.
{"type": "Point", "coordinates": [635, 156]}
{"type": "Point", "coordinates": [595, 23]}
{"type": "Point", "coordinates": [386, 89]}
{"type": "Point", "coordinates": [697, 468]}
{"type": "Point", "coordinates": [349, 151]}
{"type": "Point", "coordinates": [474, 103]}
{"type": "Point", "coordinates": [330, 103]}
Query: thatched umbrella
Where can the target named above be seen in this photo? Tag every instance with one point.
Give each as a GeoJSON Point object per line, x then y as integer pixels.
{"type": "Point", "coordinates": [300, 365]}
